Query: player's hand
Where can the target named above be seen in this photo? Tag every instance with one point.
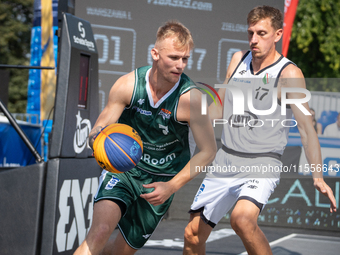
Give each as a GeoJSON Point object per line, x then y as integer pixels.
{"type": "Point", "coordinates": [322, 186]}
{"type": "Point", "coordinates": [162, 191]}
{"type": "Point", "coordinates": [93, 135]}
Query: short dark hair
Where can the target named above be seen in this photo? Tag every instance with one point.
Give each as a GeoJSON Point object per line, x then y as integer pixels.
{"type": "Point", "coordinates": [262, 12]}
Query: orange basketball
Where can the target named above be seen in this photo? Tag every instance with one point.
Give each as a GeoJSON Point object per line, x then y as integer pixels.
{"type": "Point", "coordinates": [118, 148]}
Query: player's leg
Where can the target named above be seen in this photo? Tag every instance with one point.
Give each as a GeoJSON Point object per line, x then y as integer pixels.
{"type": "Point", "coordinates": [118, 246]}
{"type": "Point", "coordinates": [140, 218]}
{"type": "Point", "coordinates": [106, 215]}
{"type": "Point", "coordinates": [244, 222]}
{"type": "Point", "coordinates": [195, 235]}
{"type": "Point", "coordinates": [210, 204]}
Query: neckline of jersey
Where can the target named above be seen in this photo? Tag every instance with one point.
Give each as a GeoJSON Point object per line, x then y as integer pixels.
{"type": "Point", "coordinates": [148, 90]}
{"type": "Point", "coordinates": [263, 69]}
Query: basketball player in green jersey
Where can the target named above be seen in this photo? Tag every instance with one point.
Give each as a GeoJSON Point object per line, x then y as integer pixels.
{"type": "Point", "coordinates": [164, 107]}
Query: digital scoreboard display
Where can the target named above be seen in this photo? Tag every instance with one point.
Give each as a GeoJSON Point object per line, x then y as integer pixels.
{"type": "Point", "coordinates": [83, 81]}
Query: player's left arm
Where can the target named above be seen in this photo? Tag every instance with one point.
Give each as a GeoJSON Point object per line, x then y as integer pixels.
{"type": "Point", "coordinates": [189, 110]}
{"type": "Point", "coordinates": [292, 77]}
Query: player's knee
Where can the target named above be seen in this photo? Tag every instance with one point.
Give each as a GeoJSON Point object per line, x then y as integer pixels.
{"type": "Point", "coordinates": [191, 235]}
{"type": "Point", "coordinates": [102, 232]}
{"type": "Point", "coordinates": [243, 225]}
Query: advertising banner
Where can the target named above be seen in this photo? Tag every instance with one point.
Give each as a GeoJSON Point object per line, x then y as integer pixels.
{"type": "Point", "coordinates": [125, 32]}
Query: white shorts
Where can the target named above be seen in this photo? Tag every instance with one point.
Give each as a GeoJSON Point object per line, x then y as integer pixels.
{"type": "Point", "coordinates": [233, 178]}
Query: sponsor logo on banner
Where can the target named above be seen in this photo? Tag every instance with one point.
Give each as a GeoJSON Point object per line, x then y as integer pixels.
{"type": "Point", "coordinates": [296, 203]}
{"type": "Point", "coordinates": [187, 4]}
{"type": "Point", "coordinates": [108, 13]}
{"type": "Point", "coordinates": [83, 129]}
{"type": "Point", "coordinates": [83, 41]}
{"type": "Point", "coordinates": [75, 206]}
{"type": "Point", "coordinates": [81, 29]}
{"type": "Point", "coordinates": [227, 26]}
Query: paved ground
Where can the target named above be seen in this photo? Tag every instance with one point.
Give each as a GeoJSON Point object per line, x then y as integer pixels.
{"type": "Point", "coordinates": [168, 239]}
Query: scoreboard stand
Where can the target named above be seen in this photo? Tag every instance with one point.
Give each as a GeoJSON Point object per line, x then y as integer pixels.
{"type": "Point", "coordinates": [46, 208]}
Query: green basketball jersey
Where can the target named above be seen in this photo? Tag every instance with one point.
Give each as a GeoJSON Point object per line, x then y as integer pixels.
{"type": "Point", "coordinates": [166, 145]}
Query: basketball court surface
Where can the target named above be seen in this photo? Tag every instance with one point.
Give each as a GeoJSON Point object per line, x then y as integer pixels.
{"type": "Point", "coordinates": [168, 239]}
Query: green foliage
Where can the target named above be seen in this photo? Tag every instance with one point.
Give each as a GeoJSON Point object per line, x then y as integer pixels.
{"type": "Point", "coordinates": [314, 44]}
{"type": "Point", "coordinates": [15, 29]}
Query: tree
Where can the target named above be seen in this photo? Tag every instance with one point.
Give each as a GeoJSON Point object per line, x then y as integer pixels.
{"type": "Point", "coordinates": [314, 44]}
{"type": "Point", "coordinates": [15, 29]}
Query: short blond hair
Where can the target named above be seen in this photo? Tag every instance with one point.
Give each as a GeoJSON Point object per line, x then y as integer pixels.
{"type": "Point", "coordinates": [177, 29]}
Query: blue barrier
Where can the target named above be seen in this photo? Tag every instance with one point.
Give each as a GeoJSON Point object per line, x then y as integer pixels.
{"type": "Point", "coordinates": [13, 151]}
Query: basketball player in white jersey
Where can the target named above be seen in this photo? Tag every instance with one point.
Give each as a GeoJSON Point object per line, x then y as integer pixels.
{"type": "Point", "coordinates": [251, 140]}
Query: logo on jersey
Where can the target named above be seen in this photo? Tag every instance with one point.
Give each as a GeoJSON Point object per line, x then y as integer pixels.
{"type": "Point", "coordinates": [201, 189]}
{"type": "Point", "coordinates": [266, 78]}
{"type": "Point", "coordinates": [165, 129]}
{"type": "Point", "coordinates": [248, 119]}
{"type": "Point", "coordinates": [242, 80]}
{"type": "Point", "coordinates": [146, 236]}
{"type": "Point", "coordinates": [252, 184]}
{"type": "Point", "coordinates": [112, 183]}
{"type": "Point", "coordinates": [242, 72]}
{"type": "Point", "coordinates": [158, 161]}
{"type": "Point", "coordinates": [165, 113]}
{"type": "Point", "coordinates": [252, 187]}
{"type": "Point", "coordinates": [141, 111]}
{"type": "Point", "coordinates": [141, 101]}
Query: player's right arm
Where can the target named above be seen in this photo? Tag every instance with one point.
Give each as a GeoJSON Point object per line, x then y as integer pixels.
{"type": "Point", "coordinates": [216, 111]}
{"type": "Point", "coordinates": [119, 97]}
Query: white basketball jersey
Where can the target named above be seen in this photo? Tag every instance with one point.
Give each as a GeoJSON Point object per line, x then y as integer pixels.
{"type": "Point", "coordinates": [256, 131]}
